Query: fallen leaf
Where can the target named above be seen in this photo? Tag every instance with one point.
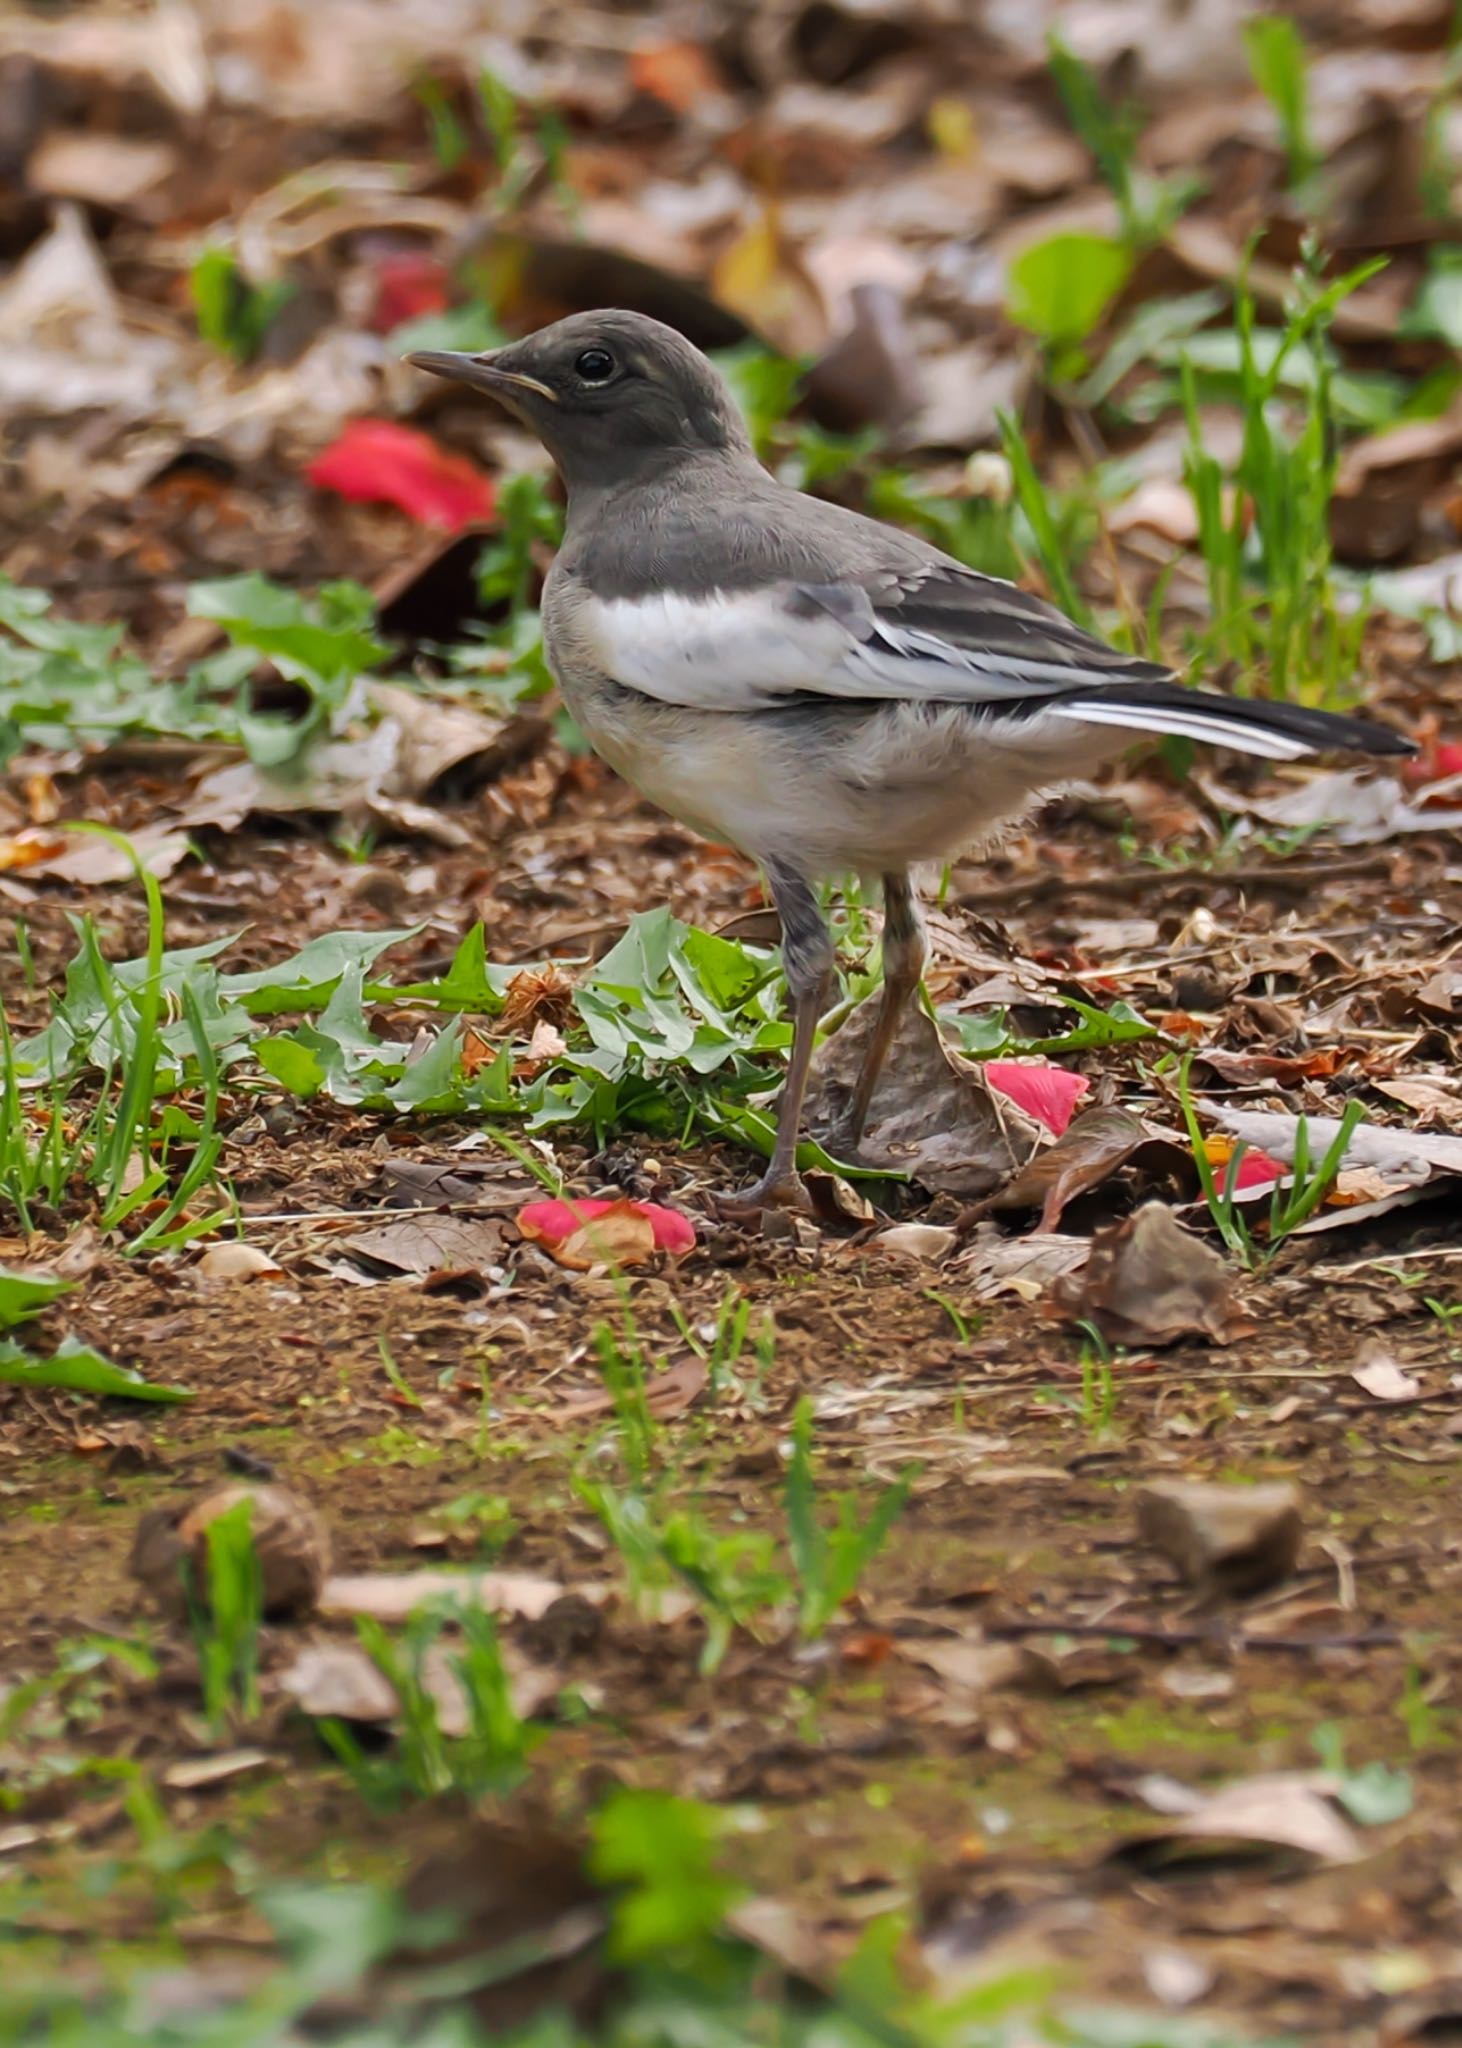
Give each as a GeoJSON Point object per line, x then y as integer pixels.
{"type": "Point", "coordinates": [915, 1240]}
{"type": "Point", "coordinates": [1287, 1810]}
{"type": "Point", "coordinates": [1090, 1151]}
{"type": "Point", "coordinates": [90, 861]}
{"type": "Point", "coordinates": [1222, 1539]}
{"type": "Point", "coordinates": [1438, 761]}
{"type": "Point", "coordinates": [1359, 807]}
{"type": "Point", "coordinates": [934, 1114]}
{"type": "Point", "coordinates": [339, 1681]}
{"type": "Point", "coordinates": [1255, 1168]}
{"type": "Point", "coordinates": [410, 283]}
{"type": "Point", "coordinates": [1149, 1281]}
{"type": "Point", "coordinates": [423, 1242]}
{"type": "Point", "coordinates": [1408, 1157]}
{"type": "Point", "coordinates": [394, 1596]}
{"type": "Point", "coordinates": [666, 1393]}
{"type": "Point", "coordinates": [195, 1773]}
{"type": "Point", "coordinates": [971, 1668]}
{"type": "Point", "coordinates": [1027, 1267]}
{"type": "Point", "coordinates": [678, 74]}
{"type": "Point", "coordinates": [1430, 1096]}
{"type": "Point", "coordinates": [1381, 1377]}
{"type": "Point", "coordinates": [761, 277]}
{"type": "Point", "coordinates": [1049, 1094]}
{"type": "Point", "coordinates": [381, 461]}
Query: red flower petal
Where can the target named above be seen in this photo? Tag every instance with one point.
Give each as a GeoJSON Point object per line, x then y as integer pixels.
{"type": "Point", "coordinates": [1256, 1170]}
{"type": "Point", "coordinates": [378, 461]}
{"type": "Point", "coordinates": [550, 1223]}
{"type": "Point", "coordinates": [1049, 1094]}
{"type": "Point", "coordinates": [410, 283]}
{"type": "Point", "coordinates": [1435, 763]}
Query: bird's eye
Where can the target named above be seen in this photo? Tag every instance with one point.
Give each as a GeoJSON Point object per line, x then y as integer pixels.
{"type": "Point", "coordinates": [595, 366]}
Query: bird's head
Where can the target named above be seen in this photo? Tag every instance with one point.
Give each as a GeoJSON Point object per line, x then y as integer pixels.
{"type": "Point", "coordinates": [612, 395]}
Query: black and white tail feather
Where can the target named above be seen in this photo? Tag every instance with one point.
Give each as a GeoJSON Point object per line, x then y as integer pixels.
{"type": "Point", "coordinates": [935, 634]}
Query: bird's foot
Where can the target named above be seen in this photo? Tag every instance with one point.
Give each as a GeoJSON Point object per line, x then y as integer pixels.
{"type": "Point", "coordinates": [784, 1190]}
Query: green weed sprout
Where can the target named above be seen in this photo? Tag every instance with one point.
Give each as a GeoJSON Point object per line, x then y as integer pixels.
{"type": "Point", "coordinates": [226, 1613]}
{"type": "Point", "coordinates": [829, 1561]}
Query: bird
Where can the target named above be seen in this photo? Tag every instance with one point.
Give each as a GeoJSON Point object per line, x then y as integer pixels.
{"type": "Point", "coordinates": [829, 694]}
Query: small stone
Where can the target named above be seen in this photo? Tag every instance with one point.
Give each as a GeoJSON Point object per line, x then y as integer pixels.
{"type": "Point", "coordinates": [291, 1541]}
{"type": "Point", "coordinates": [1223, 1539]}
{"type": "Point", "coordinates": [233, 1261]}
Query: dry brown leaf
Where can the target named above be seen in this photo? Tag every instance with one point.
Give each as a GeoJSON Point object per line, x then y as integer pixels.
{"type": "Point", "coordinates": [1097, 1144]}
{"type": "Point", "coordinates": [339, 1681]}
{"type": "Point", "coordinates": [933, 1115]}
{"type": "Point", "coordinates": [666, 1393]}
{"type": "Point", "coordinates": [394, 1596]}
{"type": "Point", "coordinates": [761, 277]}
{"type": "Point", "coordinates": [930, 1241]}
{"type": "Point", "coordinates": [1027, 1267]}
{"type": "Point", "coordinates": [972, 1668]}
{"type": "Point", "coordinates": [1287, 1810]}
{"type": "Point", "coordinates": [104, 169]}
{"type": "Point", "coordinates": [196, 1773]}
{"type": "Point", "coordinates": [1358, 807]}
{"type": "Point", "coordinates": [291, 1542]}
{"type": "Point", "coordinates": [1430, 1096]}
{"type": "Point", "coordinates": [1223, 1539]}
{"type": "Point", "coordinates": [1149, 1281]}
{"type": "Point", "coordinates": [621, 1236]}
{"type": "Point", "coordinates": [424, 1242]}
{"type": "Point", "coordinates": [1382, 1378]}
{"type": "Point", "coordinates": [91, 862]}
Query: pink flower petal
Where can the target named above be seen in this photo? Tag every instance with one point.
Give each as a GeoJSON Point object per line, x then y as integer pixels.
{"type": "Point", "coordinates": [1049, 1094]}
{"type": "Point", "coordinates": [551, 1223]}
{"type": "Point", "coordinates": [379, 461]}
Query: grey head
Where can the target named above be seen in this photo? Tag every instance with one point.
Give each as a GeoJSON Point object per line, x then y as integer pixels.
{"type": "Point", "coordinates": [614, 396]}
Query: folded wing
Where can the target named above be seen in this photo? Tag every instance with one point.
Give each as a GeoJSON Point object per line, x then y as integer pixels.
{"type": "Point", "coordinates": [935, 634]}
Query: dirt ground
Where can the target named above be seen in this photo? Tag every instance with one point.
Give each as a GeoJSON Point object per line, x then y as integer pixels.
{"type": "Point", "coordinates": [1017, 1823]}
{"type": "Point", "coordinates": [1028, 1741]}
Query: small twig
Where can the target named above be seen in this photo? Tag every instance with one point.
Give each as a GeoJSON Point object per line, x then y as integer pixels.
{"type": "Point", "coordinates": [1183, 1638]}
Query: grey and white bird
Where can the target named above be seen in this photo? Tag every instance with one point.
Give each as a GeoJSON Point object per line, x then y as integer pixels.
{"type": "Point", "coordinates": [826, 693]}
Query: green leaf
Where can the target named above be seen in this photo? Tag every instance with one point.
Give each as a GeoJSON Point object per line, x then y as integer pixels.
{"type": "Point", "coordinates": [293, 1065]}
{"type": "Point", "coordinates": [308, 978]}
{"type": "Point", "coordinates": [434, 1082]}
{"type": "Point", "coordinates": [22, 1294]}
{"type": "Point", "coordinates": [470, 983]}
{"type": "Point", "coordinates": [76, 1366]}
{"type": "Point", "coordinates": [1059, 289]}
{"type": "Point", "coordinates": [1375, 1795]}
{"type": "Point", "coordinates": [1436, 312]}
{"type": "Point", "coordinates": [325, 640]}
{"type": "Point", "coordinates": [661, 1851]}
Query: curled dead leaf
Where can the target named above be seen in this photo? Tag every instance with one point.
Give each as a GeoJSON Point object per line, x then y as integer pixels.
{"type": "Point", "coordinates": [1149, 1281]}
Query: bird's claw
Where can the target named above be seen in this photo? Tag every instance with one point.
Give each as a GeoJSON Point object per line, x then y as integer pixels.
{"type": "Point", "coordinates": [772, 1191]}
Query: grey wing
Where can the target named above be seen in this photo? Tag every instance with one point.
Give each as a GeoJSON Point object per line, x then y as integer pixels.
{"type": "Point", "coordinates": [928, 633]}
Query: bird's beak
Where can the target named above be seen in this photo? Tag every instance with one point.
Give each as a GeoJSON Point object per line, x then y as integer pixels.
{"type": "Point", "coordinates": [481, 372]}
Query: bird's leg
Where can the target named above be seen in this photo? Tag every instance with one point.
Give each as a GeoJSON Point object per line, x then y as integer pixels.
{"type": "Point", "coordinates": [905, 949]}
{"type": "Point", "coordinates": [807, 961]}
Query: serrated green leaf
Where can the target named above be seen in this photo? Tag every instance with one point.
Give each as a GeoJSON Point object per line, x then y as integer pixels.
{"type": "Point", "coordinates": [78, 1368]}
{"type": "Point", "coordinates": [23, 1294]}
